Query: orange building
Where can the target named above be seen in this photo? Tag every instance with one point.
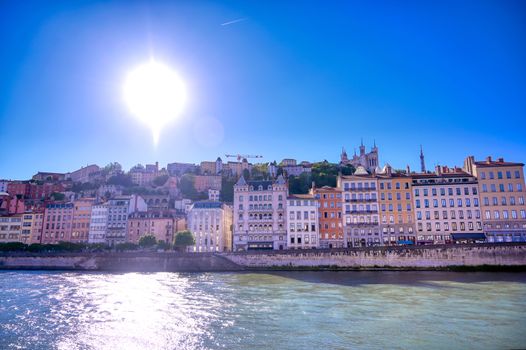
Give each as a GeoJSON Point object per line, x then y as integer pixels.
{"type": "Point", "coordinates": [330, 216]}
{"type": "Point", "coordinates": [81, 220]}
{"type": "Point", "coordinates": [396, 208]}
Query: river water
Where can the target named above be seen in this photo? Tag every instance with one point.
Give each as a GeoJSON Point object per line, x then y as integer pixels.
{"type": "Point", "coordinates": [286, 310]}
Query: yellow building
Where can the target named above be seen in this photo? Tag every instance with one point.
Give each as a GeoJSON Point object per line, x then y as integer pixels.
{"type": "Point", "coordinates": [160, 224]}
{"type": "Point", "coordinates": [501, 188]}
{"type": "Point", "coordinates": [81, 220]}
{"type": "Point", "coordinates": [32, 223]}
{"type": "Point", "coordinates": [396, 208]}
{"type": "Point", "coordinates": [10, 228]}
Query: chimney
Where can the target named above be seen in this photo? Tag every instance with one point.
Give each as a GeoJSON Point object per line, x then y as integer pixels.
{"type": "Point", "coordinates": [407, 169]}
{"type": "Point", "coordinates": [501, 160]}
{"type": "Point", "coordinates": [389, 170]}
{"type": "Point", "coordinates": [438, 170]}
{"type": "Point", "coordinates": [488, 159]}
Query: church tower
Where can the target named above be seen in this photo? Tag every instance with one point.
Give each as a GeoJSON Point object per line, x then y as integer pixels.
{"type": "Point", "coordinates": [422, 162]}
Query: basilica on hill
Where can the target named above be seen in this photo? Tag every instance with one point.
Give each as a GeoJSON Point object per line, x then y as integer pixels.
{"type": "Point", "coordinates": [367, 160]}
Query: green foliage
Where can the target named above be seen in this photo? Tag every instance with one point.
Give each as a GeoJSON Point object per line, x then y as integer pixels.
{"type": "Point", "coordinates": [86, 186]}
{"type": "Point", "coordinates": [323, 174]}
{"type": "Point", "coordinates": [12, 247]}
{"type": "Point", "coordinates": [246, 174]}
{"type": "Point", "coordinates": [160, 180]}
{"type": "Point", "coordinates": [227, 189]}
{"type": "Point", "coordinates": [59, 247]}
{"type": "Point", "coordinates": [300, 184]}
{"type": "Point", "coordinates": [347, 170]}
{"type": "Point", "coordinates": [57, 196]}
{"type": "Point", "coordinates": [120, 179]}
{"type": "Point", "coordinates": [164, 245]}
{"type": "Point", "coordinates": [126, 246]}
{"type": "Point", "coordinates": [186, 185]}
{"type": "Point", "coordinates": [259, 172]}
{"type": "Point", "coordinates": [147, 241]}
{"type": "Point", "coordinates": [111, 167]}
{"type": "Point", "coordinates": [184, 239]}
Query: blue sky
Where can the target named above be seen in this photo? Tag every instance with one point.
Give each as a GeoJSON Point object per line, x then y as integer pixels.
{"type": "Point", "coordinates": [293, 79]}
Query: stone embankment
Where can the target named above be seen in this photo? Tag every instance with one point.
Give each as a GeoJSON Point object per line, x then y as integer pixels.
{"type": "Point", "coordinates": [401, 257]}
{"type": "Point", "coordinates": [422, 257]}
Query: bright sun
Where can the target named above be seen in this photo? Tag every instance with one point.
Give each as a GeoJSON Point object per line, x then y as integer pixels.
{"type": "Point", "coordinates": [155, 94]}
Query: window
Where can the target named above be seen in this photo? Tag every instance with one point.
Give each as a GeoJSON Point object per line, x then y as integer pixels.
{"type": "Point", "coordinates": [499, 174]}
{"type": "Point", "coordinates": [491, 176]}
{"type": "Point", "coordinates": [508, 174]}
{"type": "Point", "coordinates": [496, 214]}
{"type": "Point", "coordinates": [483, 175]}
{"type": "Point", "coordinates": [517, 174]}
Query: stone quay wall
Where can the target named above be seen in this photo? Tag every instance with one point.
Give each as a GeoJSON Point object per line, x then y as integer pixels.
{"type": "Point", "coordinates": [420, 257]}
{"type": "Point", "coordinates": [423, 257]}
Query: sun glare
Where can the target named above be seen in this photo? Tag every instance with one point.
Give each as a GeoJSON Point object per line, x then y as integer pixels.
{"type": "Point", "coordinates": [155, 94]}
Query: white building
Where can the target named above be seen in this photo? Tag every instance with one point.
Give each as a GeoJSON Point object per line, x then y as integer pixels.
{"type": "Point", "coordinates": [211, 224]}
{"type": "Point", "coordinates": [259, 214]}
{"type": "Point", "coordinates": [302, 222]}
{"type": "Point", "coordinates": [109, 221]}
{"type": "Point", "coordinates": [3, 185]}
{"type": "Point", "coordinates": [447, 207]}
{"type": "Point", "coordinates": [360, 209]}
{"type": "Point", "coordinates": [213, 195]}
{"type": "Point", "coordinates": [98, 224]}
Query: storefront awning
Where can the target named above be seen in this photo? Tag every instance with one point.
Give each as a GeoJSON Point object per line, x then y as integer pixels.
{"type": "Point", "coordinates": [405, 242]}
{"type": "Point", "coordinates": [469, 236]}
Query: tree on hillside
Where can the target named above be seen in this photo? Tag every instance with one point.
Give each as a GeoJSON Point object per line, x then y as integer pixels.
{"type": "Point", "coordinates": [300, 184]}
{"type": "Point", "coordinates": [147, 241]}
{"type": "Point", "coordinates": [160, 180]}
{"type": "Point", "coordinates": [227, 189]}
{"type": "Point", "coordinates": [57, 196]}
{"type": "Point", "coordinates": [259, 172]}
{"type": "Point", "coordinates": [121, 179]}
{"type": "Point", "coordinates": [186, 185]}
{"type": "Point", "coordinates": [184, 239]}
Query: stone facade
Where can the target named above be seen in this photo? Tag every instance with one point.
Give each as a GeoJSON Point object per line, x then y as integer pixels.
{"type": "Point", "coordinates": [368, 160]}
{"type": "Point", "coordinates": [360, 205]}
{"type": "Point", "coordinates": [329, 216]}
{"type": "Point", "coordinates": [446, 206]}
{"type": "Point", "coordinates": [302, 222]}
{"type": "Point", "coordinates": [259, 214]}
{"type": "Point", "coordinates": [502, 192]}
{"type": "Point", "coordinates": [211, 224]}
{"type": "Point", "coordinates": [397, 222]}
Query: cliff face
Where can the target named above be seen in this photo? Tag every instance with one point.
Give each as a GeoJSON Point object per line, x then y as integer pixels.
{"type": "Point", "coordinates": [424, 257]}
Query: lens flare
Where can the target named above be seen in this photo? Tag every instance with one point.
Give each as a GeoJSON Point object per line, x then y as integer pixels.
{"type": "Point", "coordinates": [155, 94]}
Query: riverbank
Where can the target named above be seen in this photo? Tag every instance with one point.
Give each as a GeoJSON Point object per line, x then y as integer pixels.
{"type": "Point", "coordinates": [473, 257]}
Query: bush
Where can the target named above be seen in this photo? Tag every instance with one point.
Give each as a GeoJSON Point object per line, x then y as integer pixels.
{"type": "Point", "coordinates": [147, 241]}
{"type": "Point", "coordinates": [164, 245]}
{"type": "Point", "coordinates": [184, 239]}
{"type": "Point", "coordinates": [12, 247]}
{"type": "Point", "coordinates": [126, 246]}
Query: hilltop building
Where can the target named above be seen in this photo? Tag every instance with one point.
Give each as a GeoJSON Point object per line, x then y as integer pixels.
{"type": "Point", "coordinates": [369, 161]}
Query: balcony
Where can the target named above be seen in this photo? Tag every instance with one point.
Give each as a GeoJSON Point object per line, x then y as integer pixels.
{"type": "Point", "coordinates": [361, 212]}
{"type": "Point", "coordinates": [361, 200]}
{"type": "Point", "coordinates": [362, 224]}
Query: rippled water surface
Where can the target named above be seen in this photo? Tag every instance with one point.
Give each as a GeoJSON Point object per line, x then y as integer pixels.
{"type": "Point", "coordinates": [293, 310]}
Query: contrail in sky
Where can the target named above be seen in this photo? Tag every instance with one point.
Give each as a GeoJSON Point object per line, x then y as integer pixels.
{"type": "Point", "coordinates": [233, 21]}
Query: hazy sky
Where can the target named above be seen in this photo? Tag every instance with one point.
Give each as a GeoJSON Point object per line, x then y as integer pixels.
{"type": "Point", "coordinates": [284, 79]}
